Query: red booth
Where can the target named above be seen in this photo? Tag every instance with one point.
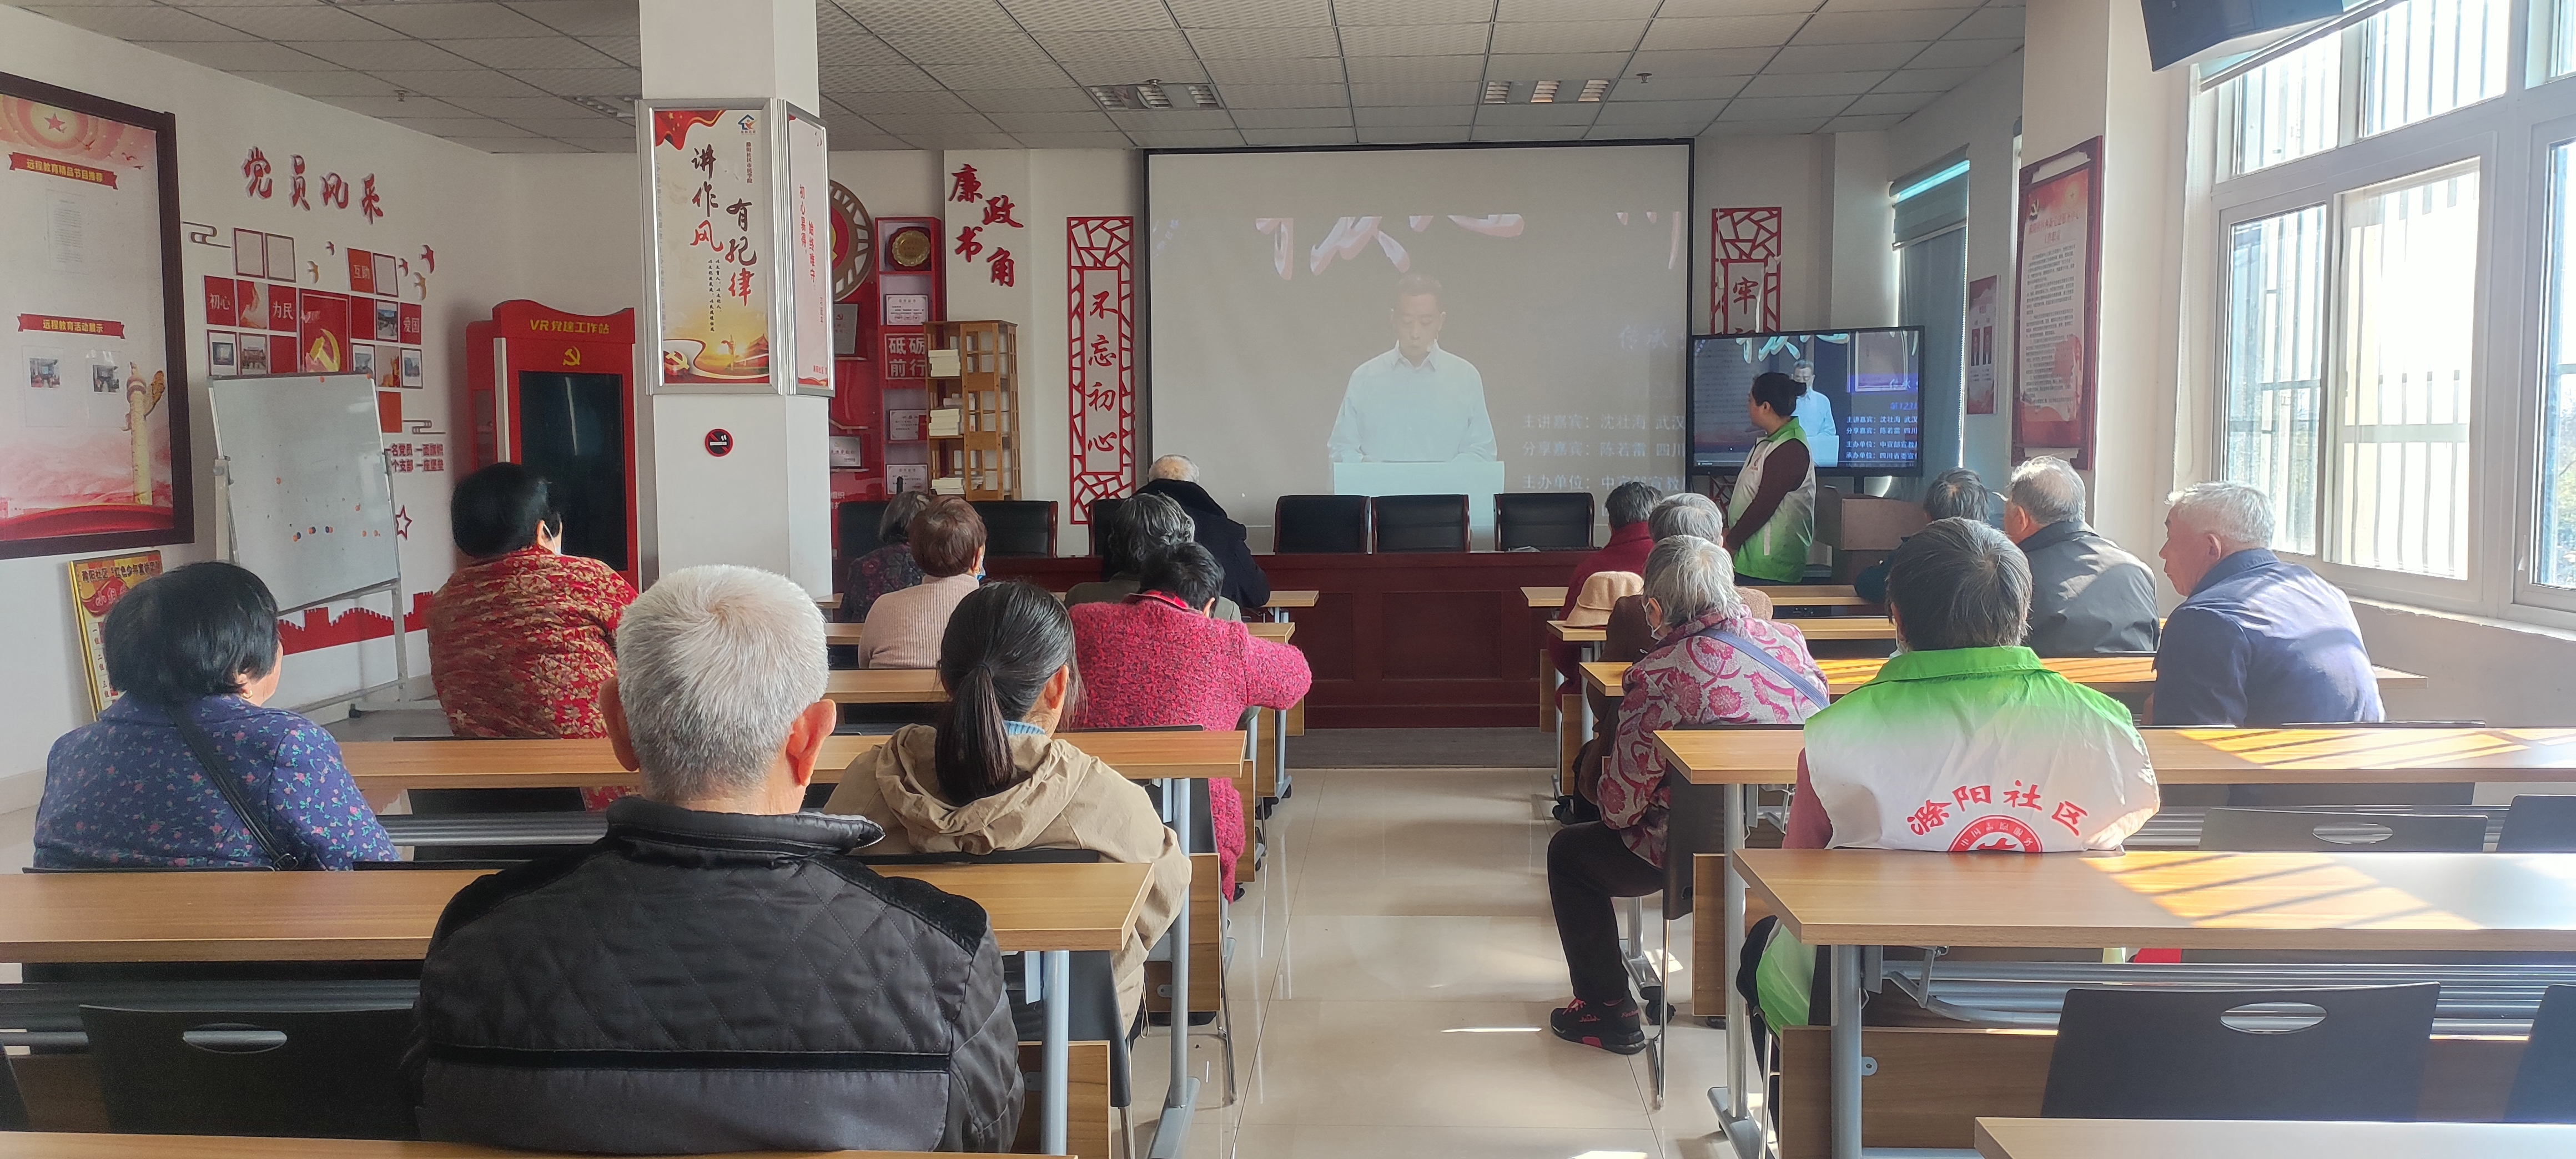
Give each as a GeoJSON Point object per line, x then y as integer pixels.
{"type": "Point", "coordinates": [556, 391]}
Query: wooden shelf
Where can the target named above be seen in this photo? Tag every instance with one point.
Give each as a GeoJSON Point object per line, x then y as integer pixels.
{"type": "Point", "coordinates": [985, 452]}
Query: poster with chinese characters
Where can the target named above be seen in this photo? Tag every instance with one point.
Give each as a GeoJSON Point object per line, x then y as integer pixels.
{"type": "Point", "coordinates": [1100, 275]}
{"type": "Point", "coordinates": [1981, 346]}
{"type": "Point", "coordinates": [96, 586]}
{"type": "Point", "coordinates": [711, 174]}
{"type": "Point", "coordinates": [810, 237]}
{"type": "Point", "coordinates": [92, 434]}
{"type": "Point", "coordinates": [2056, 306]}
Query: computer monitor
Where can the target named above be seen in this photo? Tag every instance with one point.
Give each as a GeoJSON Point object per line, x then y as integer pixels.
{"type": "Point", "coordinates": [1863, 411]}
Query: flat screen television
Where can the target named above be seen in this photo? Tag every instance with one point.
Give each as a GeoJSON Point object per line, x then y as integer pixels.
{"type": "Point", "coordinates": [1863, 411]}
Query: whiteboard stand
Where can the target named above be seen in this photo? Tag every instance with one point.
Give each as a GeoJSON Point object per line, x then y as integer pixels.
{"type": "Point", "coordinates": [391, 588]}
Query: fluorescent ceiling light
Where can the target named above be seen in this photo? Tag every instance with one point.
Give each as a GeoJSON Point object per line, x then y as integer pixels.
{"type": "Point", "coordinates": [1498, 92]}
{"type": "Point", "coordinates": [1543, 93]}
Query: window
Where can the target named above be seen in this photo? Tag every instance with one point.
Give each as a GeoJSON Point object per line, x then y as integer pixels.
{"type": "Point", "coordinates": [2556, 562]}
{"type": "Point", "coordinates": [2401, 407]}
{"type": "Point", "coordinates": [2276, 344]}
{"type": "Point", "coordinates": [2425, 58]}
{"type": "Point", "coordinates": [2287, 107]}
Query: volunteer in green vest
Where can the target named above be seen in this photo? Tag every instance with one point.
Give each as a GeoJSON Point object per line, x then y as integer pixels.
{"type": "Point", "coordinates": [1771, 515]}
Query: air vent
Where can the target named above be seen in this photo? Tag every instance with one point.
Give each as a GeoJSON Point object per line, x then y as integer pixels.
{"type": "Point", "coordinates": [1543, 93]}
{"type": "Point", "coordinates": [1498, 92]}
{"type": "Point", "coordinates": [1204, 96]}
{"type": "Point", "coordinates": [1594, 90]}
{"type": "Point", "coordinates": [1151, 95]}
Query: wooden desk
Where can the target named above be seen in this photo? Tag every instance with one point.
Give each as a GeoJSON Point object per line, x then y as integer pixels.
{"type": "Point", "coordinates": [383, 768]}
{"type": "Point", "coordinates": [1841, 900]}
{"type": "Point", "coordinates": [1275, 631]}
{"type": "Point", "coordinates": [830, 603]}
{"type": "Point", "coordinates": [1540, 597]}
{"type": "Point", "coordinates": [884, 686]}
{"type": "Point", "coordinates": [1795, 596]}
{"type": "Point", "coordinates": [83, 1145]}
{"type": "Point", "coordinates": [2177, 1138]}
{"type": "Point", "coordinates": [1296, 599]}
{"type": "Point", "coordinates": [2110, 675]}
{"type": "Point", "coordinates": [1843, 627]}
{"type": "Point", "coordinates": [1574, 634]}
{"type": "Point", "coordinates": [2212, 756]}
{"type": "Point", "coordinates": [836, 632]}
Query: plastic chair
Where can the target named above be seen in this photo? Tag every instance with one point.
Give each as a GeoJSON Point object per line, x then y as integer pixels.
{"type": "Point", "coordinates": [2317, 831]}
{"type": "Point", "coordinates": [1022, 528]}
{"type": "Point", "coordinates": [1545, 520]}
{"type": "Point", "coordinates": [319, 1074]}
{"type": "Point", "coordinates": [2544, 1088]}
{"type": "Point", "coordinates": [1419, 522]}
{"type": "Point", "coordinates": [1320, 525]}
{"type": "Point", "coordinates": [1103, 513]}
{"type": "Point", "coordinates": [2540, 824]}
{"type": "Point", "coordinates": [2201, 1054]}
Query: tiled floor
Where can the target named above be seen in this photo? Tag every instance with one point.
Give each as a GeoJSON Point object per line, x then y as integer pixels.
{"type": "Point", "coordinates": [1392, 976]}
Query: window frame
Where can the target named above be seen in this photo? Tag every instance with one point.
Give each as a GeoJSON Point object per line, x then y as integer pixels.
{"type": "Point", "coordinates": [2529, 598]}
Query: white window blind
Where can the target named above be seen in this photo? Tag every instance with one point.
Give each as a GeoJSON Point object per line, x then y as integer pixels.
{"type": "Point", "coordinates": [2276, 352]}
{"type": "Point", "coordinates": [2401, 405]}
{"type": "Point", "coordinates": [2425, 58]}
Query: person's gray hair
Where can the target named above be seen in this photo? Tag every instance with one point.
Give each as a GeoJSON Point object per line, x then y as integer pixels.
{"type": "Point", "coordinates": [1689, 513]}
{"type": "Point", "coordinates": [1958, 583]}
{"type": "Point", "coordinates": [1956, 494]}
{"type": "Point", "coordinates": [1689, 577]}
{"type": "Point", "coordinates": [2237, 513]}
{"type": "Point", "coordinates": [714, 664]}
{"type": "Point", "coordinates": [1629, 502]}
{"type": "Point", "coordinates": [1177, 468]}
{"type": "Point", "coordinates": [2047, 489]}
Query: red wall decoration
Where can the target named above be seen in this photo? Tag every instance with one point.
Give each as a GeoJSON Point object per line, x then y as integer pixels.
{"type": "Point", "coordinates": [1101, 287]}
{"type": "Point", "coordinates": [1744, 270]}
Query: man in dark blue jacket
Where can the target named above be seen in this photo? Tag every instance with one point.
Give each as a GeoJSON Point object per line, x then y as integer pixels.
{"type": "Point", "coordinates": [2256, 641]}
{"type": "Point", "coordinates": [1177, 479]}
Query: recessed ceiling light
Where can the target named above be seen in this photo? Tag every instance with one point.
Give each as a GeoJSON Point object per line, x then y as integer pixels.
{"type": "Point", "coordinates": [1151, 92]}
{"type": "Point", "coordinates": [1594, 90]}
{"type": "Point", "coordinates": [1204, 95]}
{"type": "Point", "coordinates": [622, 110]}
{"type": "Point", "coordinates": [1498, 92]}
{"type": "Point", "coordinates": [1543, 93]}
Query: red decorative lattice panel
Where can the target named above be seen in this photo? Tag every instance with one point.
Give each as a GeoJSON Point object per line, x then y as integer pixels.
{"type": "Point", "coordinates": [1101, 285]}
{"type": "Point", "coordinates": [1744, 270]}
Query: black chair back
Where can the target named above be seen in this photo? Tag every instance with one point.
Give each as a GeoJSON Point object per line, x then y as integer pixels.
{"type": "Point", "coordinates": [2203, 1054]}
{"type": "Point", "coordinates": [2319, 831]}
{"type": "Point", "coordinates": [456, 802]}
{"type": "Point", "coordinates": [13, 1109]}
{"type": "Point", "coordinates": [1104, 514]}
{"type": "Point", "coordinates": [1546, 520]}
{"type": "Point", "coordinates": [1420, 522]}
{"type": "Point", "coordinates": [1020, 528]}
{"type": "Point", "coordinates": [996, 857]}
{"type": "Point", "coordinates": [2540, 824]}
{"type": "Point", "coordinates": [2544, 1089]}
{"type": "Point", "coordinates": [1320, 525]}
{"type": "Point", "coordinates": [334, 1074]}
{"type": "Point", "coordinates": [858, 526]}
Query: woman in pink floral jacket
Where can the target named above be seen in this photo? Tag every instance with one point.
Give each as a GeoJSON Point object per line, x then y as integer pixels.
{"type": "Point", "coordinates": [1712, 664]}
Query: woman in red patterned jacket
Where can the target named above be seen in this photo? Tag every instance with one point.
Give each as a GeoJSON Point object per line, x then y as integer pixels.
{"type": "Point", "coordinates": [1158, 658]}
{"type": "Point", "coordinates": [520, 639]}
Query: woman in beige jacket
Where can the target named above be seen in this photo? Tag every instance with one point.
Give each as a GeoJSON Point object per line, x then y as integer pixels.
{"type": "Point", "coordinates": [990, 776]}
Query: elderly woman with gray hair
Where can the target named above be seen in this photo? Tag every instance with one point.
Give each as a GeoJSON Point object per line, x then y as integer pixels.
{"type": "Point", "coordinates": [1713, 663]}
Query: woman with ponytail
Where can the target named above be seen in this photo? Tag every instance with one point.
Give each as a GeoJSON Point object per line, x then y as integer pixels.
{"type": "Point", "coordinates": [990, 775]}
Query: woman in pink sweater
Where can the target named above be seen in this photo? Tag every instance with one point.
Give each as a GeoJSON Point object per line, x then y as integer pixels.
{"type": "Point", "coordinates": [1157, 659]}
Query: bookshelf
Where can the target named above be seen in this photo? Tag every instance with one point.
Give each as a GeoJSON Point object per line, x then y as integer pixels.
{"type": "Point", "coordinates": [974, 424]}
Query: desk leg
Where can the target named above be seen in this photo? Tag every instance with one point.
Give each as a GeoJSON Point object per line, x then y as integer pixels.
{"type": "Point", "coordinates": [1173, 1133]}
{"type": "Point", "coordinates": [1058, 1049]}
{"type": "Point", "coordinates": [1734, 1109]}
{"type": "Point", "coordinates": [1846, 1052]}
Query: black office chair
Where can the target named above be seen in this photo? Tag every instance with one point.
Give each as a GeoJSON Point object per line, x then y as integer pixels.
{"type": "Point", "coordinates": [2540, 824]}
{"type": "Point", "coordinates": [313, 1074]}
{"type": "Point", "coordinates": [858, 526]}
{"type": "Point", "coordinates": [458, 802]}
{"type": "Point", "coordinates": [1320, 525]}
{"type": "Point", "coordinates": [1022, 528]}
{"type": "Point", "coordinates": [1419, 522]}
{"type": "Point", "coordinates": [2544, 1088]}
{"type": "Point", "coordinates": [2319, 831]}
{"type": "Point", "coordinates": [1104, 514]}
{"type": "Point", "coordinates": [1545, 520]}
{"type": "Point", "coordinates": [2241, 1054]}
{"type": "Point", "coordinates": [13, 1108]}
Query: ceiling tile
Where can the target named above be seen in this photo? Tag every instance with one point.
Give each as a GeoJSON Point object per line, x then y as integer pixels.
{"type": "Point", "coordinates": [140, 24]}
{"type": "Point", "coordinates": [395, 107]}
{"type": "Point", "coordinates": [323, 84]}
{"type": "Point", "coordinates": [884, 17]}
{"type": "Point", "coordinates": [1457, 116]}
{"type": "Point", "coordinates": [1240, 14]}
{"type": "Point", "coordinates": [1452, 93]}
{"type": "Point", "coordinates": [1696, 9]}
{"type": "Point", "coordinates": [1286, 96]}
{"type": "Point", "coordinates": [1576, 9]}
{"type": "Point", "coordinates": [240, 55]}
{"type": "Point", "coordinates": [1813, 84]}
{"type": "Point", "coordinates": [1088, 15]}
{"type": "Point", "coordinates": [1414, 134]}
{"type": "Point", "coordinates": [1415, 69]}
{"type": "Point", "coordinates": [1660, 112]}
{"type": "Point", "coordinates": [1146, 45]}
{"type": "Point", "coordinates": [1965, 53]}
{"type": "Point", "coordinates": [1779, 108]}
{"type": "Point", "coordinates": [1879, 27]}
{"type": "Point", "coordinates": [1861, 124]}
{"type": "Point", "coordinates": [1275, 72]}
{"type": "Point", "coordinates": [1721, 32]}
{"type": "Point", "coordinates": [1990, 24]}
{"type": "Point", "coordinates": [1017, 123]}
{"type": "Point", "coordinates": [1657, 132]}
{"type": "Point", "coordinates": [519, 108]}
{"type": "Point", "coordinates": [461, 82]}
{"type": "Point", "coordinates": [1843, 57]}
{"type": "Point", "coordinates": [960, 47]}
{"type": "Point", "coordinates": [1559, 36]}
{"type": "Point", "coordinates": [1414, 39]}
{"type": "Point", "coordinates": [1836, 7]}
{"type": "Point", "coordinates": [458, 126]}
{"type": "Point", "coordinates": [900, 78]}
{"type": "Point", "coordinates": [583, 17]}
{"type": "Point", "coordinates": [933, 101]}
{"type": "Point", "coordinates": [1925, 80]}
{"type": "Point", "coordinates": [852, 44]}
{"type": "Point", "coordinates": [1558, 66]}
{"type": "Point", "coordinates": [584, 82]}
{"type": "Point", "coordinates": [1075, 140]}
{"type": "Point", "coordinates": [1793, 127]}
{"type": "Point", "coordinates": [301, 22]}
{"type": "Point", "coordinates": [1186, 138]}
{"type": "Point", "coordinates": [531, 52]}
{"type": "Point", "coordinates": [937, 141]}
{"type": "Point", "coordinates": [1127, 72]}
{"type": "Point", "coordinates": [1688, 88]}
{"type": "Point", "coordinates": [591, 128]}
{"type": "Point", "coordinates": [1350, 12]}
{"type": "Point", "coordinates": [622, 49]}
{"type": "Point", "coordinates": [496, 144]}
{"type": "Point", "coordinates": [445, 20]}
{"type": "Point", "coordinates": [380, 55]}
{"type": "Point", "coordinates": [1881, 103]}
{"type": "Point", "coordinates": [1291, 118]}
{"type": "Point", "coordinates": [1562, 113]}
{"type": "Point", "coordinates": [1161, 120]}
{"type": "Point", "coordinates": [1061, 99]}
{"type": "Point", "coordinates": [1484, 132]}
{"type": "Point", "coordinates": [1316, 136]}
{"type": "Point", "coordinates": [1265, 42]}
{"type": "Point", "coordinates": [908, 124]}
{"type": "Point", "coordinates": [1701, 63]}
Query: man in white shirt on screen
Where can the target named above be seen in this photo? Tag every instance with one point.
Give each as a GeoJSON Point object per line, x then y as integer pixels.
{"type": "Point", "coordinates": [1416, 403]}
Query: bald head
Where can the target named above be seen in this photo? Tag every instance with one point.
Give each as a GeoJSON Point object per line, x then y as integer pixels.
{"type": "Point", "coordinates": [1177, 468]}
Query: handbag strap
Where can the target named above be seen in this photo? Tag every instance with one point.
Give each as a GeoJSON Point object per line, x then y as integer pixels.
{"type": "Point", "coordinates": [219, 771]}
{"type": "Point", "coordinates": [1799, 682]}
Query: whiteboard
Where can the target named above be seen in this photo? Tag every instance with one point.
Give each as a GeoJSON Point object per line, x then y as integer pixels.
{"type": "Point", "coordinates": [310, 503]}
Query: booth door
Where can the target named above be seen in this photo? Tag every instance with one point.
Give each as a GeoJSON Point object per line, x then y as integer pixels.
{"type": "Point", "coordinates": [572, 430]}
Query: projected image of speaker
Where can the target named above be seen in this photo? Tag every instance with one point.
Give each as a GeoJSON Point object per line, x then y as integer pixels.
{"type": "Point", "coordinates": [1862, 413]}
{"type": "Point", "coordinates": [2185, 30]}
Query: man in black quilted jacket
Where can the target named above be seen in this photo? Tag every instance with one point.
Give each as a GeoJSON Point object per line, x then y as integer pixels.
{"type": "Point", "coordinates": [1176, 478]}
{"type": "Point", "coordinates": [718, 973]}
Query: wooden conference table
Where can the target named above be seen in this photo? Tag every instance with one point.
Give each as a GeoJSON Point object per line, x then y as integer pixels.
{"type": "Point", "coordinates": [1276, 631]}
{"type": "Point", "coordinates": [383, 768]}
{"type": "Point", "coordinates": [1842, 900]}
{"type": "Point", "coordinates": [1786, 596]}
{"type": "Point", "coordinates": [85, 1145]}
{"type": "Point", "coordinates": [2110, 675]}
{"type": "Point", "coordinates": [1836, 628]}
{"type": "Point", "coordinates": [1049, 909]}
{"type": "Point", "coordinates": [2171, 1138]}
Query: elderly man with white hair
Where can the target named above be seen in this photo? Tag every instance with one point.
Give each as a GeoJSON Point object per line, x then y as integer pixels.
{"type": "Point", "coordinates": [1714, 664]}
{"type": "Point", "coordinates": [2086, 595]}
{"type": "Point", "coordinates": [718, 973]}
{"type": "Point", "coordinates": [1176, 478]}
{"type": "Point", "coordinates": [2256, 641]}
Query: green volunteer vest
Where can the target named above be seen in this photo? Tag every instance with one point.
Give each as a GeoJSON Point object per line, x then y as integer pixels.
{"type": "Point", "coordinates": [1778, 550]}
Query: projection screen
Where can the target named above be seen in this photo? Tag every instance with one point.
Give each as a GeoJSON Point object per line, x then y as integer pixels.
{"type": "Point", "coordinates": [1419, 321]}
